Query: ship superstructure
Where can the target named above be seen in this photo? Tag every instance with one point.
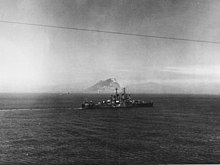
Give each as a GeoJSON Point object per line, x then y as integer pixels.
{"type": "Point", "coordinates": [117, 100]}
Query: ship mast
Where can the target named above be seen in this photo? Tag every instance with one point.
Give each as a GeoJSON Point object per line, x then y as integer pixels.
{"type": "Point", "coordinates": [116, 93]}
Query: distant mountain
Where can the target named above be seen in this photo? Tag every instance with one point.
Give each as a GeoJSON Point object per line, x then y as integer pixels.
{"type": "Point", "coordinates": [104, 86]}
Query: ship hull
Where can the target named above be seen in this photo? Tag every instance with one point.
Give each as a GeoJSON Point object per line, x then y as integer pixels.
{"type": "Point", "coordinates": [119, 106]}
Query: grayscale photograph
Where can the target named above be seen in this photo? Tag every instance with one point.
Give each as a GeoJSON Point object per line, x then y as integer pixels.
{"type": "Point", "coordinates": [109, 82]}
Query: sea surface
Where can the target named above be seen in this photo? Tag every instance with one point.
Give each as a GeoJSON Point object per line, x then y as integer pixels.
{"type": "Point", "coordinates": [47, 129]}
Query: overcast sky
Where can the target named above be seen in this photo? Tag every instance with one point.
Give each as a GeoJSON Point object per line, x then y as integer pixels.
{"type": "Point", "coordinates": [34, 57]}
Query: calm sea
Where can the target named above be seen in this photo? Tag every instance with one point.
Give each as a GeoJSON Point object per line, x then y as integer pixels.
{"type": "Point", "coordinates": [46, 129]}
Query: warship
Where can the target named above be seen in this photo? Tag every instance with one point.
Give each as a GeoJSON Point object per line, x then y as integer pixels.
{"type": "Point", "coordinates": [117, 101]}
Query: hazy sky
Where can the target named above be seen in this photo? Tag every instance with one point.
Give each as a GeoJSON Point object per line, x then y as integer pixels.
{"type": "Point", "coordinates": [37, 58]}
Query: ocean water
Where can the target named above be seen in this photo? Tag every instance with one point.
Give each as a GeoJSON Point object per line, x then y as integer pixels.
{"type": "Point", "coordinates": [46, 129]}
